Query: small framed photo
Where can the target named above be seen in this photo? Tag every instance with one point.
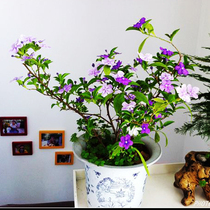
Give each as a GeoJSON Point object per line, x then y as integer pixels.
{"type": "Point", "coordinates": [64, 158]}
{"type": "Point", "coordinates": [51, 139]}
{"type": "Point", "coordinates": [13, 126]}
{"type": "Point", "coordinates": [22, 148]}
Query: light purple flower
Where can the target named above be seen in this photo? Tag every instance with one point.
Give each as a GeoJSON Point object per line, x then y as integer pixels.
{"type": "Point", "coordinates": [119, 74]}
{"type": "Point", "coordinates": [167, 86]}
{"type": "Point", "coordinates": [166, 76]}
{"type": "Point", "coordinates": [183, 94]}
{"type": "Point", "coordinates": [193, 91]}
{"type": "Point", "coordinates": [108, 61]}
{"type": "Point", "coordinates": [105, 90]}
{"type": "Point", "coordinates": [61, 90]}
{"type": "Point", "coordinates": [123, 80]}
{"type": "Point", "coordinates": [15, 47]}
{"type": "Point", "coordinates": [16, 78]}
{"type": "Point", "coordinates": [129, 107]}
{"type": "Point", "coordinates": [125, 141]}
{"type": "Point", "coordinates": [145, 128]}
{"type": "Point", "coordinates": [94, 71]}
{"type": "Point", "coordinates": [67, 88]}
{"type": "Point", "coordinates": [133, 69]}
{"type": "Point", "coordinates": [181, 69]}
{"type": "Point", "coordinates": [146, 57]}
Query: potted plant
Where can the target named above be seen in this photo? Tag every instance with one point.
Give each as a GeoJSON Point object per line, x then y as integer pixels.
{"type": "Point", "coordinates": [129, 109]}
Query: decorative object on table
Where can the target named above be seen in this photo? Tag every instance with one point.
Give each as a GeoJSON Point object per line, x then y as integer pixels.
{"type": "Point", "coordinates": [64, 158]}
{"type": "Point", "coordinates": [200, 170]}
{"type": "Point", "coordinates": [22, 148]}
{"type": "Point", "coordinates": [51, 139]}
{"type": "Point", "coordinates": [127, 107]}
{"type": "Point", "coordinates": [196, 171]}
{"type": "Point", "coordinates": [13, 126]}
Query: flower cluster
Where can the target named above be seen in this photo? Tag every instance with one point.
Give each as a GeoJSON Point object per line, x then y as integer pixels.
{"type": "Point", "coordinates": [134, 106]}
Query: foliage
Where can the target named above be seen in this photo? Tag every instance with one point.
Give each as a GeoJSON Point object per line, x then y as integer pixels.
{"type": "Point", "coordinates": [200, 109]}
{"type": "Point", "coordinates": [134, 106]}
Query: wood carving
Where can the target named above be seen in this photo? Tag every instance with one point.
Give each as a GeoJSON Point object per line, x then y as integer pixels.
{"type": "Point", "coordinates": [196, 171]}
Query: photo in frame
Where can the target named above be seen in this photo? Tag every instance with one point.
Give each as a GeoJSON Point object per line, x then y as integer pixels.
{"type": "Point", "coordinates": [22, 148]}
{"type": "Point", "coordinates": [13, 126]}
{"type": "Point", "coordinates": [64, 158]}
{"type": "Point", "coordinates": [51, 139]}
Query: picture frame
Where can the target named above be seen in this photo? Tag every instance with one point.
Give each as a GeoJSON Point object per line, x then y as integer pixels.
{"type": "Point", "coordinates": [22, 148]}
{"type": "Point", "coordinates": [13, 126]}
{"type": "Point", "coordinates": [51, 139]}
{"type": "Point", "coordinates": [64, 158]}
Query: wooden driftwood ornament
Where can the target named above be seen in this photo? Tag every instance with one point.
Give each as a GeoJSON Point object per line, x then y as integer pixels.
{"type": "Point", "coordinates": [196, 171]}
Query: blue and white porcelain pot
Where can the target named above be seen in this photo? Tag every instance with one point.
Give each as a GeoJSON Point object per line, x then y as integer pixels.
{"type": "Point", "coordinates": [116, 186]}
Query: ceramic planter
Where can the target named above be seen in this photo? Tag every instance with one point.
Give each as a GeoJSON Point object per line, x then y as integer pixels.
{"type": "Point", "coordinates": [116, 186]}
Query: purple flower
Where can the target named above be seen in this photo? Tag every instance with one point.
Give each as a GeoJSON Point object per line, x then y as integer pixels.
{"type": "Point", "coordinates": [159, 116]}
{"type": "Point", "coordinates": [139, 23]}
{"type": "Point", "coordinates": [117, 65]}
{"type": "Point", "coordinates": [181, 69]}
{"type": "Point", "coordinates": [145, 128]}
{"type": "Point", "coordinates": [105, 90]}
{"type": "Point", "coordinates": [79, 100]}
{"type": "Point", "coordinates": [131, 96]}
{"type": "Point", "coordinates": [91, 89]}
{"type": "Point", "coordinates": [139, 60]}
{"type": "Point", "coordinates": [129, 107]}
{"type": "Point", "coordinates": [61, 90]}
{"type": "Point", "coordinates": [166, 52]}
{"type": "Point", "coordinates": [150, 102]}
{"type": "Point", "coordinates": [123, 80]}
{"type": "Point", "coordinates": [125, 141]}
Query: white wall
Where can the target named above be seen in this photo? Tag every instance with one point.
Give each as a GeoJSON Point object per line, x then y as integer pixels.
{"type": "Point", "coordinates": [77, 32]}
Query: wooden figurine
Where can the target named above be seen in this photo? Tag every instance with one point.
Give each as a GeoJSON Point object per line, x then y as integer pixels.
{"type": "Point", "coordinates": [196, 171]}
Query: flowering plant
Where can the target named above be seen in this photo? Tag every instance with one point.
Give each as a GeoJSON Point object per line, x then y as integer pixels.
{"type": "Point", "coordinates": [128, 107]}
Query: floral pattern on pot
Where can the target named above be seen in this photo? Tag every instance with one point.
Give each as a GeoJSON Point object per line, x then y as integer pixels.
{"type": "Point", "coordinates": [117, 191]}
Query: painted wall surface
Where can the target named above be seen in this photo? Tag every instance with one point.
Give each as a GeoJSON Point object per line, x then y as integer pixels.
{"type": "Point", "coordinates": [77, 32]}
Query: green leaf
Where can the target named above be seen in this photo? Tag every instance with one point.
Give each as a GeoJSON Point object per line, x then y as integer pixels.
{"type": "Point", "coordinates": [168, 123]}
{"type": "Point", "coordinates": [107, 70]}
{"type": "Point", "coordinates": [116, 151]}
{"type": "Point", "coordinates": [157, 137]}
{"type": "Point", "coordinates": [159, 64]}
{"type": "Point", "coordinates": [143, 161]}
{"type": "Point", "coordinates": [141, 97]}
{"type": "Point", "coordinates": [173, 34]}
{"type": "Point", "coordinates": [159, 100]}
{"type": "Point", "coordinates": [189, 110]}
{"type": "Point", "coordinates": [132, 28]}
{"type": "Point", "coordinates": [119, 99]}
{"type": "Point", "coordinates": [142, 45]}
{"type": "Point", "coordinates": [165, 137]}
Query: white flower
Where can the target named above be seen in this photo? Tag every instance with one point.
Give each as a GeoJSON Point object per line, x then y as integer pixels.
{"type": "Point", "coordinates": [134, 131]}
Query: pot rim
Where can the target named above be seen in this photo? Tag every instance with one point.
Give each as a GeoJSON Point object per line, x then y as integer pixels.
{"type": "Point", "coordinates": [153, 147]}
